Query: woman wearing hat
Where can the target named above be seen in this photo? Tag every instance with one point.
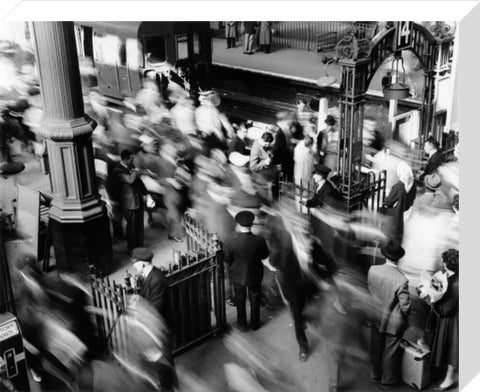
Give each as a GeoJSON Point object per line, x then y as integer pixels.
{"type": "Point", "coordinates": [445, 339]}
{"type": "Point", "coordinates": [325, 192]}
{"type": "Point", "coordinates": [330, 147]}
{"type": "Point", "coordinates": [400, 200]}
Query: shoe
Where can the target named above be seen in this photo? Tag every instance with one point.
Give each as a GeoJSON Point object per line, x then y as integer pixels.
{"type": "Point", "coordinates": [240, 328]}
{"type": "Point", "coordinates": [303, 356]}
{"type": "Point", "coordinates": [230, 302]}
{"type": "Point", "coordinates": [448, 387]}
{"type": "Point", "coordinates": [36, 377]}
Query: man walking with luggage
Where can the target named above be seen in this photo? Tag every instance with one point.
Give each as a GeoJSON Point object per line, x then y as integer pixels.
{"type": "Point", "coordinates": [389, 289]}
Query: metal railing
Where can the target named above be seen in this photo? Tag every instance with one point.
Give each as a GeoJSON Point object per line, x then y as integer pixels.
{"type": "Point", "coordinates": [308, 35]}
{"type": "Point", "coordinates": [196, 296]}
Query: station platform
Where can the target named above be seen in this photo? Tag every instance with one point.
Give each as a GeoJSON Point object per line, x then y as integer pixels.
{"type": "Point", "coordinates": [304, 66]}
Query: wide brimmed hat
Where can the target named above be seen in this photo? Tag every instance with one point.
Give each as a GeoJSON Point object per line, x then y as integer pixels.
{"type": "Point", "coordinates": [393, 252]}
{"type": "Point", "coordinates": [245, 218]}
{"type": "Point", "coordinates": [321, 169]}
{"type": "Point", "coordinates": [141, 254]}
{"type": "Point", "coordinates": [432, 181]}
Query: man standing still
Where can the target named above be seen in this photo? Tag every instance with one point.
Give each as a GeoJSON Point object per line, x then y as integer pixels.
{"type": "Point", "coordinates": [132, 191]}
{"type": "Point", "coordinates": [389, 289]}
{"type": "Point", "coordinates": [245, 254]}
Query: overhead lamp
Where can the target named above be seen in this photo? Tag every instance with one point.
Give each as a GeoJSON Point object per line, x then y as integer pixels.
{"type": "Point", "coordinates": [327, 80]}
{"type": "Point", "coordinates": [396, 90]}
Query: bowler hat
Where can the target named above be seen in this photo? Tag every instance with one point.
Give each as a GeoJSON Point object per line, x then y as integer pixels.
{"type": "Point", "coordinates": [432, 181]}
{"type": "Point", "coordinates": [330, 120]}
{"type": "Point", "coordinates": [141, 254]}
{"type": "Point", "coordinates": [392, 252]}
{"type": "Point", "coordinates": [244, 218]}
{"type": "Point", "coordinates": [321, 169]}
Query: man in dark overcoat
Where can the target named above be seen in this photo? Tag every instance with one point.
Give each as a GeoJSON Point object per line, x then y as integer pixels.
{"type": "Point", "coordinates": [435, 158]}
{"type": "Point", "coordinates": [325, 193]}
{"type": "Point", "coordinates": [245, 255]}
{"type": "Point", "coordinates": [389, 290]}
{"type": "Point", "coordinates": [132, 191]}
{"type": "Point", "coordinates": [154, 288]}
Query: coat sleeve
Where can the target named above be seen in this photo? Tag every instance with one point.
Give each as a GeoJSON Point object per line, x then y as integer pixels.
{"type": "Point", "coordinates": [128, 178]}
{"type": "Point", "coordinates": [403, 297]}
{"type": "Point", "coordinates": [448, 305]}
{"type": "Point", "coordinates": [256, 161]}
{"type": "Point", "coordinates": [393, 196]}
{"type": "Point", "coordinates": [157, 295]}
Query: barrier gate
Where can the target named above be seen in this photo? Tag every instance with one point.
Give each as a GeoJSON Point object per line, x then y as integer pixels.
{"type": "Point", "coordinates": [196, 295]}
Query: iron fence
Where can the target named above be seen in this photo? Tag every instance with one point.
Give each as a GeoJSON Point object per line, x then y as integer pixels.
{"type": "Point", "coordinates": [196, 296]}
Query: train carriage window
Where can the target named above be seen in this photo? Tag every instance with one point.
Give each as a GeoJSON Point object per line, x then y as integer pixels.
{"type": "Point", "coordinates": [107, 49]}
{"type": "Point", "coordinates": [134, 53]}
{"type": "Point", "coordinates": [181, 41]}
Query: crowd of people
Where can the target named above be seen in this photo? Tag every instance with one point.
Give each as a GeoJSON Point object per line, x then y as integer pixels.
{"type": "Point", "coordinates": [165, 150]}
{"type": "Point", "coordinates": [255, 35]}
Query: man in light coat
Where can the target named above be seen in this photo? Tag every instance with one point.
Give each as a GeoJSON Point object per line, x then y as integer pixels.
{"type": "Point", "coordinates": [389, 290]}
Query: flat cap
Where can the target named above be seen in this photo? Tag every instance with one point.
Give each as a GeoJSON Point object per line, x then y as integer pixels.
{"type": "Point", "coordinates": [141, 254]}
{"type": "Point", "coordinates": [244, 218]}
{"type": "Point", "coordinates": [321, 169]}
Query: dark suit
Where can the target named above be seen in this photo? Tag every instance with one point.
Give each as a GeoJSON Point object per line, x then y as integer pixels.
{"type": "Point", "coordinates": [244, 253]}
{"type": "Point", "coordinates": [154, 290]}
{"type": "Point", "coordinates": [238, 145]}
{"type": "Point", "coordinates": [433, 163]}
{"type": "Point", "coordinates": [399, 201]}
{"type": "Point", "coordinates": [327, 194]}
{"type": "Point", "coordinates": [131, 202]}
{"type": "Point", "coordinates": [389, 289]}
{"type": "Point", "coordinates": [291, 279]}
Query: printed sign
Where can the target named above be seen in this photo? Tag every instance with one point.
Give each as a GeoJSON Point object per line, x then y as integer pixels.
{"type": "Point", "coordinates": [403, 35]}
{"type": "Point", "coordinates": [8, 330]}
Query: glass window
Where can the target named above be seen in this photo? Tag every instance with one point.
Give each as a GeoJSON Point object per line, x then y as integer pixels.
{"type": "Point", "coordinates": [134, 53]}
{"type": "Point", "coordinates": [182, 46]}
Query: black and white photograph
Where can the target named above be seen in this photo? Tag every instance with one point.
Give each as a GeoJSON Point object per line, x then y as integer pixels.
{"type": "Point", "coordinates": [189, 205]}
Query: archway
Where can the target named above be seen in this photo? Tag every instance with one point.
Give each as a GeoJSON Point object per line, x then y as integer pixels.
{"type": "Point", "coordinates": [434, 54]}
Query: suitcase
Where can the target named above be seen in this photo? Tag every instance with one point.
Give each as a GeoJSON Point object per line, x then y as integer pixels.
{"type": "Point", "coordinates": [416, 366]}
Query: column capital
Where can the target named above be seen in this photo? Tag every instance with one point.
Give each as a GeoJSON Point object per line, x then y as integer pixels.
{"type": "Point", "coordinates": [67, 130]}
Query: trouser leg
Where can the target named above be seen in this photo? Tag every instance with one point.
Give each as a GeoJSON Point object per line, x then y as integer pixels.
{"type": "Point", "coordinates": [130, 229]}
{"type": "Point", "coordinates": [391, 359]}
{"type": "Point", "coordinates": [297, 303]}
{"type": "Point", "coordinates": [240, 293]}
{"type": "Point", "coordinates": [254, 296]}
{"type": "Point", "coordinates": [376, 352]}
{"type": "Point", "coordinates": [117, 221]}
{"type": "Point", "coordinates": [139, 226]}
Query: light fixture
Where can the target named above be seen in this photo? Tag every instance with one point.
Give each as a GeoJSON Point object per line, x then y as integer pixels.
{"type": "Point", "coordinates": [396, 89]}
{"type": "Point", "coordinates": [326, 80]}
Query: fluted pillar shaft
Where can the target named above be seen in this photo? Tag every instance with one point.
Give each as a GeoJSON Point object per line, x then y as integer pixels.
{"type": "Point", "coordinates": [76, 211]}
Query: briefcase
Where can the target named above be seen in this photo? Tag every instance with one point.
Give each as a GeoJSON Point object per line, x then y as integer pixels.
{"type": "Point", "coordinates": [416, 366]}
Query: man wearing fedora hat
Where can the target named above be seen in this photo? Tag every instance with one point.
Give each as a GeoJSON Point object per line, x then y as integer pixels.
{"type": "Point", "coordinates": [433, 196]}
{"type": "Point", "coordinates": [246, 254]}
{"type": "Point", "coordinates": [389, 290]}
{"type": "Point", "coordinates": [154, 286]}
{"type": "Point", "coordinates": [325, 193]}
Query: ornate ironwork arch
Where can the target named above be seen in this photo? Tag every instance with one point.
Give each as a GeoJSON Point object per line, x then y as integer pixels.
{"type": "Point", "coordinates": [423, 46]}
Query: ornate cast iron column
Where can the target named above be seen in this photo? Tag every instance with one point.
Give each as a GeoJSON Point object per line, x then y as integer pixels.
{"type": "Point", "coordinates": [80, 227]}
{"type": "Point", "coordinates": [351, 105]}
{"type": "Point", "coordinates": [438, 66]}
